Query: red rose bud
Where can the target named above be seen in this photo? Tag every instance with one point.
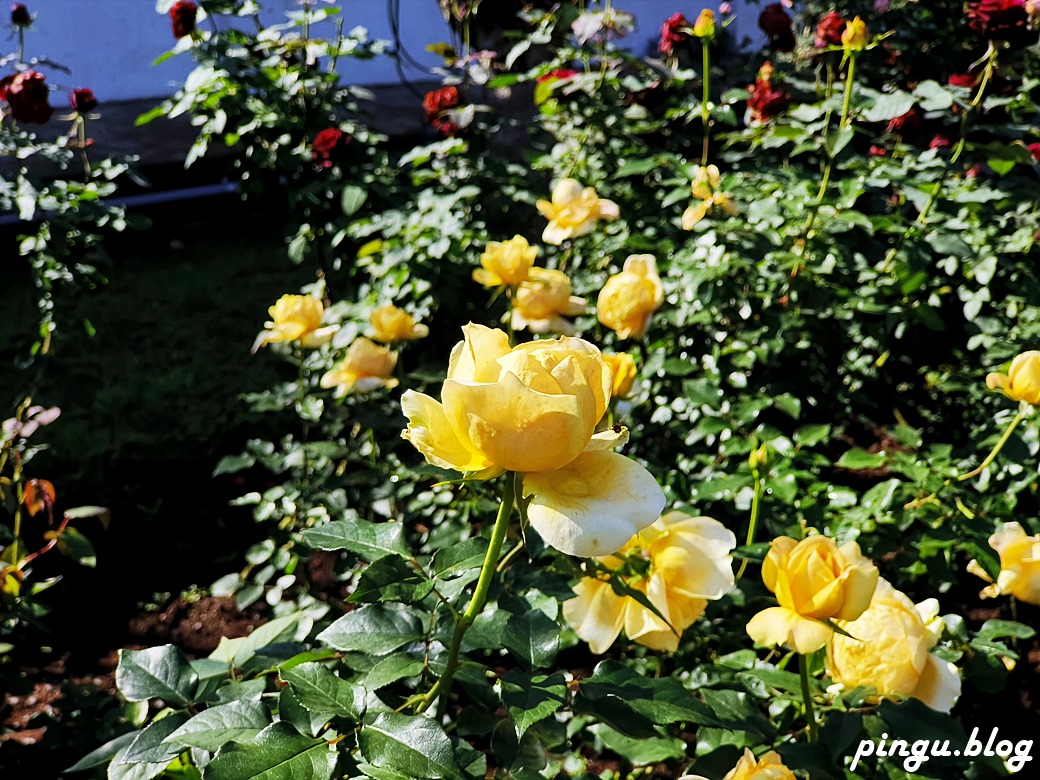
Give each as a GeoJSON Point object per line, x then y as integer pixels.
{"type": "Point", "coordinates": [674, 31]}
{"type": "Point", "coordinates": [326, 145]}
{"type": "Point", "coordinates": [1001, 20]}
{"type": "Point", "coordinates": [829, 30]}
{"type": "Point", "coordinates": [775, 22]}
{"type": "Point", "coordinates": [966, 80]}
{"type": "Point", "coordinates": [82, 101]}
{"type": "Point", "coordinates": [182, 18]}
{"type": "Point", "coordinates": [1034, 149]}
{"type": "Point", "coordinates": [20, 15]}
{"type": "Point", "coordinates": [27, 94]}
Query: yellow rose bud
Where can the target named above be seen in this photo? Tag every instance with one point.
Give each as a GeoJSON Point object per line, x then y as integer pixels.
{"type": "Point", "coordinates": [855, 37]}
{"type": "Point", "coordinates": [505, 262]}
{"type": "Point", "coordinates": [1022, 382]}
{"type": "Point", "coordinates": [679, 563]}
{"type": "Point", "coordinates": [1019, 565]}
{"type": "Point", "coordinates": [296, 318]}
{"type": "Point", "coordinates": [629, 299]}
{"type": "Point", "coordinates": [769, 767]}
{"type": "Point", "coordinates": [392, 324]}
{"type": "Point", "coordinates": [704, 27]}
{"type": "Point", "coordinates": [365, 367]}
{"type": "Point", "coordinates": [891, 652]}
{"type": "Point", "coordinates": [814, 580]}
{"type": "Point", "coordinates": [573, 211]}
{"type": "Point", "coordinates": [543, 300]}
{"type": "Point", "coordinates": [623, 369]}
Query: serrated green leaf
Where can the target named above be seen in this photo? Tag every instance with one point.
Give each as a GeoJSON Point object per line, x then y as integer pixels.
{"type": "Point", "coordinates": [370, 541]}
{"type": "Point", "coordinates": [321, 691]}
{"type": "Point", "coordinates": [374, 629]}
{"type": "Point", "coordinates": [461, 557]}
{"type": "Point", "coordinates": [237, 721]}
{"type": "Point", "coordinates": [416, 747]}
{"type": "Point", "coordinates": [105, 753]}
{"type": "Point", "coordinates": [531, 698]}
{"type": "Point", "coordinates": [861, 459]}
{"type": "Point", "coordinates": [533, 637]}
{"type": "Point", "coordinates": [391, 669]}
{"type": "Point", "coordinates": [352, 199]}
{"type": "Point", "coordinates": [156, 673]}
{"type": "Point", "coordinates": [640, 752]}
{"type": "Point", "coordinates": [391, 579]}
{"type": "Point", "coordinates": [239, 651]}
{"type": "Point", "coordinates": [278, 752]}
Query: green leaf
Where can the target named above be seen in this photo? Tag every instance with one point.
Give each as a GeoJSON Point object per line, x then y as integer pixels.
{"type": "Point", "coordinates": [391, 579]}
{"type": "Point", "coordinates": [636, 167]}
{"type": "Point", "coordinates": [103, 754]}
{"type": "Point", "coordinates": [352, 199]}
{"type": "Point", "coordinates": [374, 629]}
{"type": "Point", "coordinates": [277, 753]}
{"type": "Point", "coordinates": [933, 96]}
{"type": "Point", "coordinates": [416, 747]}
{"type": "Point", "coordinates": [72, 544]}
{"type": "Point", "coordinates": [997, 629]}
{"type": "Point", "coordinates": [146, 757]}
{"type": "Point", "coordinates": [391, 669]}
{"type": "Point", "coordinates": [640, 752]}
{"type": "Point", "coordinates": [533, 637]}
{"type": "Point", "coordinates": [464, 556]}
{"type": "Point", "coordinates": [531, 698]}
{"type": "Point", "coordinates": [237, 721]}
{"type": "Point", "coordinates": [156, 673]}
{"type": "Point", "coordinates": [321, 691]}
{"type": "Point", "coordinates": [370, 541]}
{"type": "Point", "coordinates": [861, 459]}
{"type": "Point", "coordinates": [239, 651]}
{"type": "Point", "coordinates": [889, 106]}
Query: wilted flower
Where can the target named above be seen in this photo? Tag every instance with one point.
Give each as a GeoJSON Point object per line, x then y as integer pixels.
{"type": "Point", "coordinates": [39, 495]}
{"type": "Point", "coordinates": [769, 767]}
{"type": "Point", "coordinates": [542, 302]}
{"type": "Point", "coordinates": [674, 31]}
{"type": "Point", "coordinates": [392, 324]}
{"type": "Point", "coordinates": [704, 27]}
{"type": "Point", "coordinates": [623, 370]}
{"type": "Point", "coordinates": [629, 299]}
{"type": "Point", "coordinates": [1022, 381]}
{"type": "Point", "coordinates": [1019, 565]}
{"type": "Point", "coordinates": [82, 101]}
{"type": "Point", "coordinates": [296, 318]}
{"type": "Point", "coordinates": [505, 262]}
{"type": "Point", "coordinates": [856, 36]}
{"type": "Point", "coordinates": [679, 563]}
{"type": "Point", "coordinates": [182, 18]}
{"type": "Point", "coordinates": [27, 94]}
{"type": "Point", "coordinates": [705, 187]}
{"type": "Point", "coordinates": [829, 30]}
{"type": "Point", "coordinates": [775, 22]}
{"type": "Point", "coordinates": [366, 367]}
{"type": "Point", "coordinates": [573, 211]}
{"type": "Point", "coordinates": [533, 409]}
{"type": "Point", "coordinates": [327, 144]}
{"type": "Point", "coordinates": [20, 15]}
{"type": "Point", "coordinates": [891, 651]}
{"type": "Point", "coordinates": [1001, 20]}
{"type": "Point", "coordinates": [814, 580]}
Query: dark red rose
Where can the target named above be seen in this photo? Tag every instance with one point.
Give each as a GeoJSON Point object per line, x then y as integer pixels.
{"type": "Point", "coordinates": [1001, 20]}
{"type": "Point", "coordinates": [182, 18]}
{"type": "Point", "coordinates": [20, 15]}
{"type": "Point", "coordinates": [776, 23]}
{"type": "Point", "coordinates": [327, 144]}
{"type": "Point", "coordinates": [765, 100]}
{"type": "Point", "coordinates": [1034, 149]}
{"type": "Point", "coordinates": [829, 30]}
{"type": "Point", "coordinates": [962, 80]}
{"type": "Point", "coordinates": [82, 100]}
{"type": "Point", "coordinates": [27, 94]}
{"type": "Point", "coordinates": [674, 31]}
{"type": "Point", "coordinates": [905, 124]}
{"type": "Point", "coordinates": [437, 105]}
{"type": "Point", "coordinates": [557, 75]}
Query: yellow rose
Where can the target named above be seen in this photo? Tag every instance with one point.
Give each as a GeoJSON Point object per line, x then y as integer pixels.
{"type": "Point", "coordinates": [814, 580]}
{"type": "Point", "coordinates": [769, 767]}
{"type": "Point", "coordinates": [679, 563]}
{"type": "Point", "coordinates": [855, 37]}
{"type": "Point", "coordinates": [891, 651]}
{"type": "Point", "coordinates": [365, 367]}
{"type": "Point", "coordinates": [573, 211]}
{"type": "Point", "coordinates": [629, 299]}
{"type": "Point", "coordinates": [533, 409]}
{"type": "Point", "coordinates": [543, 300]}
{"type": "Point", "coordinates": [392, 324]}
{"type": "Point", "coordinates": [706, 180]}
{"type": "Point", "coordinates": [623, 370]}
{"type": "Point", "coordinates": [1019, 565]}
{"type": "Point", "coordinates": [296, 318]}
{"type": "Point", "coordinates": [505, 262]}
{"type": "Point", "coordinates": [1022, 381]}
{"type": "Point", "coordinates": [704, 27]}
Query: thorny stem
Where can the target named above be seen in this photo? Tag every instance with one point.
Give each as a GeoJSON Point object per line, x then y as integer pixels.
{"type": "Point", "coordinates": [477, 603]}
{"type": "Point", "coordinates": [810, 714]}
{"type": "Point", "coordinates": [993, 454]}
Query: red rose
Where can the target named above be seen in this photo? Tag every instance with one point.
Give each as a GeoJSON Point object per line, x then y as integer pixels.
{"type": "Point", "coordinates": [776, 23]}
{"type": "Point", "coordinates": [27, 94]}
{"type": "Point", "coordinates": [1034, 149]}
{"type": "Point", "coordinates": [878, 151]}
{"type": "Point", "coordinates": [940, 141]}
{"type": "Point", "coordinates": [182, 18]}
{"type": "Point", "coordinates": [20, 15]}
{"type": "Point", "coordinates": [675, 30]}
{"type": "Point", "coordinates": [82, 100]}
{"type": "Point", "coordinates": [559, 74]}
{"type": "Point", "coordinates": [326, 144]}
{"type": "Point", "coordinates": [829, 30]}
{"type": "Point", "coordinates": [764, 100]}
{"type": "Point", "coordinates": [437, 105]}
{"type": "Point", "coordinates": [906, 124]}
{"type": "Point", "coordinates": [1001, 20]}
{"type": "Point", "coordinates": [962, 80]}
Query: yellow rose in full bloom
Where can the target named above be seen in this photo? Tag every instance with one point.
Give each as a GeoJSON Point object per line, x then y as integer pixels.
{"type": "Point", "coordinates": [543, 300]}
{"type": "Point", "coordinates": [855, 37]}
{"type": "Point", "coordinates": [296, 318]}
{"type": "Point", "coordinates": [1022, 381]}
{"type": "Point", "coordinates": [623, 370]}
{"type": "Point", "coordinates": [814, 580]}
{"type": "Point", "coordinates": [365, 367]}
{"type": "Point", "coordinates": [679, 563]}
{"type": "Point", "coordinates": [573, 211]}
{"type": "Point", "coordinates": [891, 651]}
{"type": "Point", "coordinates": [391, 324]}
{"type": "Point", "coordinates": [505, 262]}
{"type": "Point", "coordinates": [534, 409]}
{"type": "Point", "coordinates": [1019, 565]}
{"type": "Point", "coordinates": [705, 188]}
{"type": "Point", "coordinates": [769, 767]}
{"type": "Point", "coordinates": [629, 299]}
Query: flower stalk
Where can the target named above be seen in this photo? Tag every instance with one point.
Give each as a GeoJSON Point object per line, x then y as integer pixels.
{"type": "Point", "coordinates": [996, 449]}
{"type": "Point", "coordinates": [811, 727]}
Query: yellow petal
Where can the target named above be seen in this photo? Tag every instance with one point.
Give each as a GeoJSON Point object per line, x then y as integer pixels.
{"type": "Point", "coordinates": [939, 685]}
{"type": "Point", "coordinates": [430, 432]}
{"type": "Point", "coordinates": [594, 504]}
{"type": "Point", "coordinates": [474, 359]}
{"type": "Point", "coordinates": [596, 613]}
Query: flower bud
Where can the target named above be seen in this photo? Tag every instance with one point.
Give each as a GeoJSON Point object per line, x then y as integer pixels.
{"type": "Point", "coordinates": [704, 27]}
{"type": "Point", "coordinates": [856, 37]}
{"type": "Point", "coordinates": [20, 15]}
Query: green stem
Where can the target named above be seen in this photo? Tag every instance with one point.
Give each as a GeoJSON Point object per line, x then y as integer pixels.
{"type": "Point", "coordinates": [756, 503]}
{"type": "Point", "coordinates": [21, 45]}
{"type": "Point", "coordinates": [705, 97]}
{"type": "Point", "coordinates": [993, 454]}
{"type": "Point", "coordinates": [477, 603]}
{"type": "Point", "coordinates": [810, 714]}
